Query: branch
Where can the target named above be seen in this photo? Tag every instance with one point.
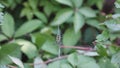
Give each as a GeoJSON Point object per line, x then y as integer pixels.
{"type": "Point", "coordinates": [55, 59]}
{"type": "Point", "coordinates": [79, 48]}
{"type": "Point", "coordinates": [51, 60]}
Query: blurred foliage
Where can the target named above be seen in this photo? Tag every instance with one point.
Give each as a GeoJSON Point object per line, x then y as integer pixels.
{"type": "Point", "coordinates": [28, 29]}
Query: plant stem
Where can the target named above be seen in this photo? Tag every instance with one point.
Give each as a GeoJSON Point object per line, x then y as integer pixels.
{"type": "Point", "coordinates": [79, 48]}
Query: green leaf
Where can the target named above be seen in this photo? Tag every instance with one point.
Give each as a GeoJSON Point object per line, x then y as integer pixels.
{"type": "Point", "coordinates": [104, 36]}
{"type": "Point", "coordinates": [28, 48]}
{"type": "Point", "coordinates": [106, 63]}
{"type": "Point", "coordinates": [9, 49]}
{"type": "Point", "coordinates": [71, 3]}
{"type": "Point", "coordinates": [113, 25]}
{"type": "Point", "coordinates": [39, 39]}
{"type": "Point", "coordinates": [3, 66]}
{"type": "Point", "coordinates": [55, 64]}
{"type": "Point", "coordinates": [116, 58]}
{"type": "Point", "coordinates": [77, 3]}
{"type": "Point", "coordinates": [113, 36]}
{"type": "Point", "coordinates": [11, 4]}
{"type": "Point", "coordinates": [1, 6]}
{"type": "Point", "coordinates": [41, 16]}
{"type": "Point", "coordinates": [89, 35]}
{"type": "Point", "coordinates": [50, 7]}
{"type": "Point", "coordinates": [18, 1]}
{"type": "Point", "coordinates": [27, 12]}
{"type": "Point", "coordinates": [59, 64]}
{"type": "Point", "coordinates": [80, 61]}
{"type": "Point", "coordinates": [89, 2]}
{"type": "Point", "coordinates": [62, 16]}
{"type": "Point", "coordinates": [33, 4]}
{"type": "Point", "coordinates": [46, 30]}
{"type": "Point", "coordinates": [50, 47]}
{"type": "Point", "coordinates": [1, 17]}
{"type": "Point", "coordinates": [66, 65]}
{"type": "Point", "coordinates": [27, 65]}
{"type": "Point", "coordinates": [93, 23]}
{"type": "Point", "coordinates": [87, 12]}
{"type": "Point", "coordinates": [39, 60]}
{"type": "Point", "coordinates": [70, 38]}
{"type": "Point", "coordinates": [8, 25]}
{"type": "Point", "coordinates": [89, 64]}
{"type": "Point", "coordinates": [85, 62]}
{"type": "Point", "coordinates": [101, 50]}
{"type": "Point", "coordinates": [73, 59]}
{"type": "Point", "coordinates": [2, 37]}
{"type": "Point", "coordinates": [70, 20]}
{"type": "Point", "coordinates": [28, 27]}
{"type": "Point", "coordinates": [112, 50]}
{"type": "Point", "coordinates": [17, 61]}
{"type": "Point", "coordinates": [65, 2]}
{"type": "Point", "coordinates": [99, 4]}
{"type": "Point", "coordinates": [78, 22]}
{"type": "Point", "coordinates": [117, 4]}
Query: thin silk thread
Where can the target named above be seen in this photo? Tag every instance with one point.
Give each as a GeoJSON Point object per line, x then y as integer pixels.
{"type": "Point", "coordinates": [58, 39]}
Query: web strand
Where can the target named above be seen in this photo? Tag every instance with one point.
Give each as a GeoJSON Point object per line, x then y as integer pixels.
{"type": "Point", "coordinates": [58, 40]}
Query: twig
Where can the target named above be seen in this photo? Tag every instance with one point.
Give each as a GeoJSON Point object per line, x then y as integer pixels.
{"type": "Point", "coordinates": [58, 58]}
{"type": "Point", "coordinates": [79, 48]}
{"type": "Point", "coordinates": [51, 60]}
